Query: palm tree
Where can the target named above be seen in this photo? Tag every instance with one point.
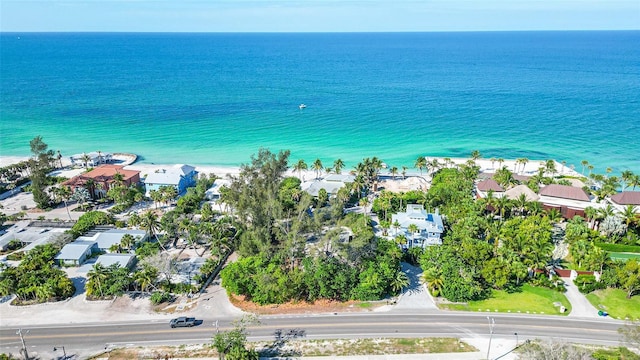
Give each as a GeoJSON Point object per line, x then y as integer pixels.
{"type": "Point", "coordinates": [99, 157]}
{"type": "Point", "coordinates": [629, 215]}
{"type": "Point", "coordinates": [90, 185]}
{"type": "Point", "coordinates": [584, 163]}
{"type": "Point", "coordinates": [591, 214]}
{"type": "Point", "coordinates": [63, 194]}
{"type": "Point", "coordinates": [404, 172]}
{"type": "Point", "coordinates": [146, 277]}
{"type": "Point", "coordinates": [156, 196]}
{"type": "Point", "coordinates": [399, 281]}
{"type": "Point", "coordinates": [421, 163]}
{"type": "Point", "coordinates": [86, 158]}
{"type": "Point", "coordinates": [634, 181]}
{"type": "Point", "coordinates": [500, 161]}
{"type": "Point", "coordinates": [524, 162]}
{"type": "Point", "coordinates": [493, 161]}
{"type": "Point", "coordinates": [127, 241]}
{"type": "Point", "coordinates": [550, 167]}
{"type": "Point", "coordinates": [554, 215]}
{"type": "Point", "coordinates": [317, 167]}
{"type": "Point", "coordinates": [151, 224]}
{"type": "Point", "coordinates": [118, 179]}
{"type": "Point", "coordinates": [521, 203]}
{"type": "Point", "coordinates": [626, 176]}
{"type": "Point", "coordinates": [338, 165]}
{"type": "Point", "coordinates": [59, 159]}
{"type": "Point", "coordinates": [396, 225]}
{"type": "Point", "coordinates": [475, 155]}
{"type": "Point", "coordinates": [95, 278]}
{"type": "Point", "coordinates": [394, 172]}
{"type": "Point", "coordinates": [434, 280]}
{"type": "Point", "coordinates": [299, 166]}
{"type": "Point", "coordinates": [413, 229]}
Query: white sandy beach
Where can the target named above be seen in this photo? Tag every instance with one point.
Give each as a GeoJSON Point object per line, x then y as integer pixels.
{"type": "Point", "coordinates": [486, 165]}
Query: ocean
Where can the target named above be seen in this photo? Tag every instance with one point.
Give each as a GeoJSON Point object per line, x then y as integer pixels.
{"type": "Point", "coordinates": [217, 98]}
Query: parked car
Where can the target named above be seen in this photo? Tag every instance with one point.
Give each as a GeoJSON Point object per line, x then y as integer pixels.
{"type": "Point", "coordinates": [182, 321]}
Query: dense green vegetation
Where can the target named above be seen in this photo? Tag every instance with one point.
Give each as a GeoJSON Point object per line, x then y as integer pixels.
{"type": "Point", "coordinates": [279, 266]}
{"type": "Point", "coordinates": [36, 279]}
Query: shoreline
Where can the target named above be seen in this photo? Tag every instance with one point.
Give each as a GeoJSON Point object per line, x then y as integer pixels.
{"type": "Point", "coordinates": [222, 171]}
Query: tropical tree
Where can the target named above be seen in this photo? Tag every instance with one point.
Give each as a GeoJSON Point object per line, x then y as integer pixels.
{"type": "Point", "coordinates": [584, 163]}
{"type": "Point", "coordinates": [127, 241]}
{"type": "Point", "coordinates": [413, 230]}
{"type": "Point", "coordinates": [338, 165]}
{"type": "Point", "coordinates": [434, 280]}
{"type": "Point", "coordinates": [96, 278]}
{"type": "Point", "coordinates": [475, 155]}
{"type": "Point", "coordinates": [150, 223]}
{"type": "Point", "coordinates": [399, 281]}
{"type": "Point", "coordinates": [317, 167]}
{"type": "Point", "coordinates": [420, 164]}
{"type": "Point", "coordinates": [301, 165]}
{"type": "Point", "coordinates": [86, 158]}
{"type": "Point", "coordinates": [394, 172]}
{"type": "Point", "coordinates": [64, 194]}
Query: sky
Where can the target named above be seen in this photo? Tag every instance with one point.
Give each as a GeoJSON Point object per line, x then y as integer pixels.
{"type": "Point", "coordinates": [316, 15]}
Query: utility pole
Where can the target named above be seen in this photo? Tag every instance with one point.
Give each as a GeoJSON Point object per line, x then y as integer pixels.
{"type": "Point", "coordinates": [24, 346]}
{"type": "Point", "coordinates": [491, 325]}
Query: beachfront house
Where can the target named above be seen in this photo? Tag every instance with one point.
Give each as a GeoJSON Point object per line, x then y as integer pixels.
{"type": "Point", "coordinates": [213, 193]}
{"type": "Point", "coordinates": [90, 159]}
{"type": "Point", "coordinates": [76, 253]}
{"type": "Point", "coordinates": [330, 183]}
{"type": "Point", "coordinates": [179, 176]}
{"type": "Point", "coordinates": [429, 226]}
{"type": "Point", "coordinates": [570, 201]}
{"type": "Point", "coordinates": [101, 179]}
{"type": "Point", "coordinates": [488, 185]}
{"type": "Point", "coordinates": [623, 199]}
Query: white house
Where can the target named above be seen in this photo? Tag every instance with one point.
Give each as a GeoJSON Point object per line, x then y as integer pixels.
{"type": "Point", "coordinates": [94, 158]}
{"type": "Point", "coordinates": [107, 239]}
{"type": "Point", "coordinates": [330, 183]}
{"type": "Point", "coordinates": [430, 226]}
{"type": "Point", "coordinates": [213, 193]}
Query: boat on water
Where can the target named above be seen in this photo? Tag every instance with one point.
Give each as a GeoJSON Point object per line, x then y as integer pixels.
{"type": "Point", "coordinates": [302, 106]}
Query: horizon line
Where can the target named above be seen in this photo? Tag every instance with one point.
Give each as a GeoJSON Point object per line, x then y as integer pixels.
{"type": "Point", "coordinates": [308, 32]}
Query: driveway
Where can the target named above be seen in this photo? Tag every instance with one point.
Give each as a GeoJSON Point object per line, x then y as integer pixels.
{"type": "Point", "coordinates": [415, 296]}
{"type": "Point", "coordinates": [580, 306]}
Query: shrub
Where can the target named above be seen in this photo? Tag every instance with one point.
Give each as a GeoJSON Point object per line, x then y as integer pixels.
{"type": "Point", "coordinates": [159, 297]}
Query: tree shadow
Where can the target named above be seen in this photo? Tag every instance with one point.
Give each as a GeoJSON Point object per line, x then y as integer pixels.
{"type": "Point", "coordinates": [278, 347]}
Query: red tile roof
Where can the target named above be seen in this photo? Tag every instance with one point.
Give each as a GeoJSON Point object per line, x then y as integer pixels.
{"type": "Point", "coordinates": [627, 198]}
{"type": "Point", "coordinates": [565, 192]}
{"type": "Point", "coordinates": [489, 184]}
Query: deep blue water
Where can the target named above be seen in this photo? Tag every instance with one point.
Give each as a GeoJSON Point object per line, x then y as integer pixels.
{"type": "Point", "coordinates": [217, 98]}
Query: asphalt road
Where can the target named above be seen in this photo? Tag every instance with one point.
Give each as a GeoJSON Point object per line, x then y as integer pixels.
{"type": "Point", "coordinates": [86, 339]}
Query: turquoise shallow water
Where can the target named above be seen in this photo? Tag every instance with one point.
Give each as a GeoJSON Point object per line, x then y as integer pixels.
{"type": "Point", "coordinates": [215, 99]}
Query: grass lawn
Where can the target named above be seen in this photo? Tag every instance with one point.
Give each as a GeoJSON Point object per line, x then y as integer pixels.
{"type": "Point", "coordinates": [623, 255]}
{"type": "Point", "coordinates": [532, 300]}
{"type": "Point", "coordinates": [615, 302]}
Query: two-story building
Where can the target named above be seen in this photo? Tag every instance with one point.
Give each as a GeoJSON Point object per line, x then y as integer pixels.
{"type": "Point", "coordinates": [179, 176]}
{"type": "Point", "coordinates": [429, 226]}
